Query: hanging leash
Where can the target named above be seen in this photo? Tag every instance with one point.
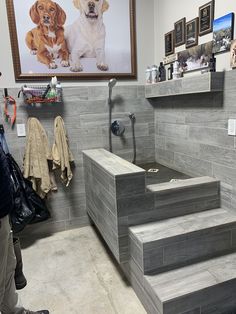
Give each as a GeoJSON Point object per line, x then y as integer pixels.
{"type": "Point", "coordinates": [8, 100]}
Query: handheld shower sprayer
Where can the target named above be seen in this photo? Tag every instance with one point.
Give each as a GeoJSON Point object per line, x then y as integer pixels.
{"type": "Point", "coordinates": [111, 84]}
{"type": "Point", "coordinates": [132, 116]}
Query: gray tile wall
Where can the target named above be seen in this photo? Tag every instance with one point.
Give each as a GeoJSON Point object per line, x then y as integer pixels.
{"type": "Point", "coordinates": [85, 113]}
{"type": "Point", "coordinates": [191, 135]}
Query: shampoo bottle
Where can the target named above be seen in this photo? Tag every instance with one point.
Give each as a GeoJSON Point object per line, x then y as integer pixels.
{"type": "Point", "coordinates": [148, 75]}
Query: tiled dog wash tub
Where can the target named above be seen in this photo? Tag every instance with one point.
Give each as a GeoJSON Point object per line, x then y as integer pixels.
{"type": "Point", "coordinates": [117, 197]}
{"type": "Point", "coordinates": [170, 238]}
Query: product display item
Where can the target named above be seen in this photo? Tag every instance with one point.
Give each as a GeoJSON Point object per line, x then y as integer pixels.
{"type": "Point", "coordinates": [148, 75]}
{"type": "Point", "coordinates": [170, 72]}
{"type": "Point", "coordinates": [176, 73]}
{"type": "Point", "coordinates": [162, 72]}
{"type": "Point", "coordinates": [212, 63]}
{"type": "Point", "coordinates": [155, 74]}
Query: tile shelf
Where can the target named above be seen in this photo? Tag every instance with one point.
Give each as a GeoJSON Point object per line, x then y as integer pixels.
{"type": "Point", "coordinates": [204, 83]}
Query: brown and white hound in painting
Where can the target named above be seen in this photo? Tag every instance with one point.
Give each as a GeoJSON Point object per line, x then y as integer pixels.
{"type": "Point", "coordinates": [47, 39]}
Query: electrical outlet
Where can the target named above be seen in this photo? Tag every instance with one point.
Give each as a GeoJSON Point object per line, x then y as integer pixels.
{"type": "Point", "coordinates": [232, 127]}
{"type": "Point", "coordinates": [20, 130]}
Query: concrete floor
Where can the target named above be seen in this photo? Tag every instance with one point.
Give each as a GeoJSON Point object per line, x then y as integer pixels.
{"type": "Point", "coordinates": [72, 272]}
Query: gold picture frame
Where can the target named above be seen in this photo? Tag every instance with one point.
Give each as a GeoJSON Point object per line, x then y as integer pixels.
{"type": "Point", "coordinates": [20, 23]}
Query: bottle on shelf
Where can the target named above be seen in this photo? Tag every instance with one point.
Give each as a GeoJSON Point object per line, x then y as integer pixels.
{"type": "Point", "coordinates": [170, 71]}
{"type": "Point", "coordinates": [212, 63]}
{"type": "Point", "coordinates": [59, 92]}
{"type": "Point", "coordinates": [162, 72]}
{"type": "Point", "coordinates": [176, 73]}
{"type": "Point", "coordinates": [154, 74]}
{"type": "Point", "coordinates": [148, 75]}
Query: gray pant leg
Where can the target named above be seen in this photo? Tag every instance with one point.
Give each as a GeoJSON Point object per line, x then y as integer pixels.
{"type": "Point", "coordinates": [9, 302]}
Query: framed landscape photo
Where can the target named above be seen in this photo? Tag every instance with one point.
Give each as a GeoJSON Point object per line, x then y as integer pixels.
{"type": "Point", "coordinates": [192, 33]}
{"type": "Point", "coordinates": [169, 43]}
{"type": "Point", "coordinates": [53, 37]}
{"type": "Point", "coordinates": [180, 32]}
{"type": "Point", "coordinates": [223, 33]}
{"type": "Point", "coordinates": [206, 17]}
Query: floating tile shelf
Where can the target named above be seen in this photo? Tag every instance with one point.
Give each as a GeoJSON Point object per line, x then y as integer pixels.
{"type": "Point", "coordinates": [204, 83]}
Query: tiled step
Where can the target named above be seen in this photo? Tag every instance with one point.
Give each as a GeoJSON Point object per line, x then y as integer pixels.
{"type": "Point", "coordinates": [204, 288]}
{"type": "Point", "coordinates": [171, 243]}
{"type": "Point", "coordinates": [184, 197]}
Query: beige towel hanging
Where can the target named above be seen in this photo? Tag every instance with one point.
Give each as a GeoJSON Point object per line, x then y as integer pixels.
{"type": "Point", "coordinates": [37, 155]}
{"type": "Point", "coordinates": [62, 156]}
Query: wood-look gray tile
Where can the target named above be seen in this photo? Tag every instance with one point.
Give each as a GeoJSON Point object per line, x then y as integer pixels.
{"type": "Point", "coordinates": [193, 311]}
{"type": "Point", "coordinates": [130, 185]}
{"type": "Point", "coordinates": [215, 154]}
{"type": "Point", "coordinates": [172, 130]}
{"type": "Point", "coordinates": [214, 136]}
{"type": "Point", "coordinates": [192, 166]}
{"type": "Point", "coordinates": [135, 204]}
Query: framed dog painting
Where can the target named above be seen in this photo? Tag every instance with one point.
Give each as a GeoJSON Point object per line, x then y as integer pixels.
{"type": "Point", "coordinates": [74, 40]}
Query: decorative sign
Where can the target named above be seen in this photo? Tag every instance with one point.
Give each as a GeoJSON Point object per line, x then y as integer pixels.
{"type": "Point", "coordinates": [192, 33]}
{"type": "Point", "coordinates": [170, 59]}
{"type": "Point", "coordinates": [206, 17]}
{"type": "Point", "coordinates": [180, 32]}
{"type": "Point", "coordinates": [169, 43]}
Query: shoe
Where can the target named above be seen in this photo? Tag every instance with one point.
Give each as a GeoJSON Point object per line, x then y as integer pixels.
{"type": "Point", "coordinates": [20, 279]}
{"type": "Point", "coordinates": [37, 312]}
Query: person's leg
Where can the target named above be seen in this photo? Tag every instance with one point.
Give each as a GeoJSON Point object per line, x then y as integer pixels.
{"type": "Point", "coordinates": [3, 257]}
{"type": "Point", "coordinates": [9, 303]}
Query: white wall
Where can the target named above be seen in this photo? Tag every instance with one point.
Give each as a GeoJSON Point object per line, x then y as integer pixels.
{"type": "Point", "coordinates": [167, 12]}
{"type": "Point", "coordinates": [145, 46]}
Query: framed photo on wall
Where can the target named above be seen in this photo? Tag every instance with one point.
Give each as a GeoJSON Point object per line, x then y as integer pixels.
{"type": "Point", "coordinates": [51, 38]}
{"type": "Point", "coordinates": [196, 58]}
{"type": "Point", "coordinates": [233, 54]}
{"type": "Point", "coordinates": [206, 17]}
{"type": "Point", "coordinates": [223, 33]}
{"type": "Point", "coordinates": [180, 32]}
{"type": "Point", "coordinates": [192, 33]}
{"type": "Point", "coordinates": [169, 43]}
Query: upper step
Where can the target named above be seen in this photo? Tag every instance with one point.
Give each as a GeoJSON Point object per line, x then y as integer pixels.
{"type": "Point", "coordinates": [186, 196]}
{"type": "Point", "coordinates": [167, 244]}
{"type": "Point", "coordinates": [208, 287]}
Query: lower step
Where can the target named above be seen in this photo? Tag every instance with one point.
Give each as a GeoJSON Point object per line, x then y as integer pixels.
{"type": "Point", "coordinates": [176, 242]}
{"type": "Point", "coordinates": [204, 288]}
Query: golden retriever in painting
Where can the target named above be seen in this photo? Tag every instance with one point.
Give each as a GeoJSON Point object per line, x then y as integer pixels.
{"type": "Point", "coordinates": [86, 36]}
{"type": "Point", "coordinates": [47, 40]}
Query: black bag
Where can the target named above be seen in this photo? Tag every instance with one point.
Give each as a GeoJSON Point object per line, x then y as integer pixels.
{"type": "Point", "coordinates": [28, 205]}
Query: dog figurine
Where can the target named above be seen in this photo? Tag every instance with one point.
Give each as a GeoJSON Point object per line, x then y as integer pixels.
{"type": "Point", "coordinates": [86, 36]}
{"type": "Point", "coordinates": [47, 40]}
